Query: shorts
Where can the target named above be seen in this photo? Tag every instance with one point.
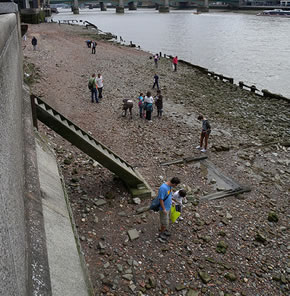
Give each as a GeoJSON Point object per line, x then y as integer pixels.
{"type": "Point", "coordinates": [206, 132]}
{"type": "Point", "coordinates": [164, 218]}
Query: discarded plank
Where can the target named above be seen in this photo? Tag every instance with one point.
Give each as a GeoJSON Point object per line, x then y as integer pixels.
{"type": "Point", "coordinates": [183, 160]}
{"type": "Point", "coordinates": [222, 194]}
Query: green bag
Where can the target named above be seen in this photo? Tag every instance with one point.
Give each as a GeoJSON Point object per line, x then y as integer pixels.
{"type": "Point", "coordinates": [174, 214]}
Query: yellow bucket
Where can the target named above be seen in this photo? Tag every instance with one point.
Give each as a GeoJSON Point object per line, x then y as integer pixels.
{"type": "Point", "coordinates": [174, 214]}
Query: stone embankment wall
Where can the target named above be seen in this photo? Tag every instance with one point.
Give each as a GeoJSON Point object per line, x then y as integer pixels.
{"type": "Point", "coordinates": [13, 262]}
{"type": "Point", "coordinates": [23, 254]}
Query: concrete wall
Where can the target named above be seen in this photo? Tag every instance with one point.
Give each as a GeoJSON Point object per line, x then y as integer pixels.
{"type": "Point", "coordinates": [13, 241]}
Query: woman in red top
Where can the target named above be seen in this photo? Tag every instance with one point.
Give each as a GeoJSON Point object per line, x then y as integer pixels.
{"type": "Point", "coordinates": [175, 61]}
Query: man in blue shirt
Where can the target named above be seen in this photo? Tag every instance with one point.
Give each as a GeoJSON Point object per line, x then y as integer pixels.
{"type": "Point", "coordinates": [165, 199]}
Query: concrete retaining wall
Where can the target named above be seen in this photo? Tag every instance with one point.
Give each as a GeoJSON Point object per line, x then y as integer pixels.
{"type": "Point", "coordinates": [13, 240]}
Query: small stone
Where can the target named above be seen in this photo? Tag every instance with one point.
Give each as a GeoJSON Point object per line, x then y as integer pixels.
{"type": "Point", "coordinates": [152, 282]}
{"type": "Point", "coordinates": [260, 237]}
{"type": "Point", "coordinates": [180, 287]}
{"type": "Point", "coordinates": [106, 265]}
{"type": "Point", "coordinates": [128, 277]}
{"type": "Point", "coordinates": [142, 209]}
{"type": "Point", "coordinates": [137, 200]}
{"type": "Point", "coordinates": [231, 277]}
{"type": "Point", "coordinates": [229, 216]}
{"type": "Point", "coordinates": [133, 234]}
{"type": "Point", "coordinates": [192, 293]}
{"type": "Point", "coordinates": [273, 217]}
{"type": "Point", "coordinates": [222, 247]}
{"type": "Point", "coordinates": [101, 245]}
{"type": "Point", "coordinates": [100, 202]}
{"type": "Point", "coordinates": [204, 276]}
{"type": "Point", "coordinates": [120, 267]}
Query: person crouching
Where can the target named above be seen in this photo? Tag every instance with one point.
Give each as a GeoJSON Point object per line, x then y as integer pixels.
{"type": "Point", "coordinates": [127, 105]}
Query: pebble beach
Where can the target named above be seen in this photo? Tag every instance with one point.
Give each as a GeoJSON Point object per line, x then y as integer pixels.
{"type": "Point", "coordinates": [237, 245]}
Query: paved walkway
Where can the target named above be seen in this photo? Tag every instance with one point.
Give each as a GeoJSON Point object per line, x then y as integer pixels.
{"type": "Point", "coordinates": [66, 273]}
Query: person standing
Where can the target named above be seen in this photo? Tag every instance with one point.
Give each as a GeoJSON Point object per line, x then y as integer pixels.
{"type": "Point", "coordinates": [141, 105]}
{"type": "Point", "coordinates": [93, 87]}
{"type": "Point", "coordinates": [100, 85]}
{"type": "Point", "coordinates": [156, 58]}
{"type": "Point", "coordinates": [205, 132]}
{"type": "Point", "coordinates": [94, 44]}
{"type": "Point", "coordinates": [156, 79]}
{"type": "Point", "coordinates": [159, 104]}
{"type": "Point", "coordinates": [165, 199]}
{"type": "Point", "coordinates": [175, 62]}
{"type": "Point", "coordinates": [148, 104]}
{"type": "Point", "coordinates": [34, 42]}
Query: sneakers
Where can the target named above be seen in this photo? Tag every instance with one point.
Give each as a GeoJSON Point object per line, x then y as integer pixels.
{"type": "Point", "coordinates": [180, 218]}
{"type": "Point", "coordinates": [162, 236]}
{"type": "Point", "coordinates": [203, 150]}
{"type": "Point", "coordinates": [198, 147]}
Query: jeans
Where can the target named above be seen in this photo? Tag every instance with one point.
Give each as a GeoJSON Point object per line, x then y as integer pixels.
{"type": "Point", "coordinates": [156, 83]}
{"type": "Point", "coordinates": [148, 114]}
{"type": "Point", "coordinates": [100, 90]}
{"type": "Point", "coordinates": [94, 95]}
{"type": "Point", "coordinates": [93, 50]}
{"type": "Point", "coordinates": [141, 111]}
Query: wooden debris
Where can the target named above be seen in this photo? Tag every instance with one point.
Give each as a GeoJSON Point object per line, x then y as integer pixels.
{"type": "Point", "coordinates": [222, 194]}
{"type": "Point", "coordinates": [184, 160]}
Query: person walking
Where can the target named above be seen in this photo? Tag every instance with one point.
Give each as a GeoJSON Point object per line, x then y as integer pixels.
{"type": "Point", "coordinates": [94, 44]}
{"type": "Point", "coordinates": [99, 81]}
{"type": "Point", "coordinates": [165, 199]}
{"type": "Point", "coordinates": [148, 105]}
{"type": "Point", "coordinates": [34, 42]}
{"type": "Point", "coordinates": [93, 87]}
{"type": "Point", "coordinates": [175, 62]}
{"type": "Point", "coordinates": [156, 79]}
{"type": "Point", "coordinates": [205, 132]}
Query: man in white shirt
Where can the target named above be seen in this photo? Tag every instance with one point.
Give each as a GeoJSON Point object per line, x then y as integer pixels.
{"type": "Point", "coordinates": [99, 82]}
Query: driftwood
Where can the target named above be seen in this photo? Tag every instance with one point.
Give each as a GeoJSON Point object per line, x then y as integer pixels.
{"type": "Point", "coordinates": [183, 160]}
{"type": "Point", "coordinates": [222, 194]}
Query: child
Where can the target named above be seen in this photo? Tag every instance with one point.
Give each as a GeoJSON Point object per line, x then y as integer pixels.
{"type": "Point", "coordinates": [177, 198]}
{"type": "Point", "coordinates": [141, 105]}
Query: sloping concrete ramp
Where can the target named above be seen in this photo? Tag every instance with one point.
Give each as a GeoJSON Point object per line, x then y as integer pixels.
{"type": "Point", "coordinates": [95, 149]}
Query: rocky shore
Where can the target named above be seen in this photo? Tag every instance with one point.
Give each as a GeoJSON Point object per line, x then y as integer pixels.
{"type": "Point", "coordinates": [231, 246]}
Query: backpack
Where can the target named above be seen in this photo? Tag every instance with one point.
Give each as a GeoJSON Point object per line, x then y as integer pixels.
{"type": "Point", "coordinates": [155, 204]}
{"type": "Point", "coordinates": [90, 84]}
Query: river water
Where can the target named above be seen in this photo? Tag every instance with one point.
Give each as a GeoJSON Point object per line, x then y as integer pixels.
{"type": "Point", "coordinates": [249, 48]}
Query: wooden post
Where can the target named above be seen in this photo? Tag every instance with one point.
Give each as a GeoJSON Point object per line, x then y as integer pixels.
{"type": "Point", "coordinates": [253, 88]}
{"type": "Point", "coordinates": [241, 84]}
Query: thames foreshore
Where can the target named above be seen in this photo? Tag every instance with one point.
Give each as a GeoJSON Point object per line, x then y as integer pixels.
{"type": "Point", "coordinates": [249, 142]}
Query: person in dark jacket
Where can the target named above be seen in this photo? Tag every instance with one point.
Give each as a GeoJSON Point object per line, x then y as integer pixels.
{"type": "Point", "coordinates": [156, 79]}
{"type": "Point", "coordinates": [34, 42]}
{"type": "Point", "coordinates": [159, 104]}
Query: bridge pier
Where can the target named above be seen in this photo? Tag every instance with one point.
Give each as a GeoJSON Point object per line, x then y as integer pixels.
{"type": "Point", "coordinates": [103, 6]}
{"type": "Point", "coordinates": [132, 6]}
{"type": "Point", "coordinates": [184, 4]}
{"type": "Point", "coordinates": [75, 7]}
{"type": "Point", "coordinates": [120, 7]}
{"type": "Point", "coordinates": [204, 8]}
{"type": "Point", "coordinates": [164, 7]}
